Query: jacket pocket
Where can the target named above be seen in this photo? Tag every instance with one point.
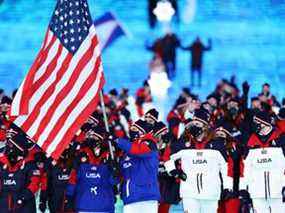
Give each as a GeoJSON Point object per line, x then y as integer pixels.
{"type": "Point", "coordinates": [145, 190]}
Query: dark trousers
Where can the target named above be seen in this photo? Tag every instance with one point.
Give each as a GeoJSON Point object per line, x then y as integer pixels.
{"type": "Point", "coordinates": [195, 70]}
{"type": "Point", "coordinates": [170, 67]}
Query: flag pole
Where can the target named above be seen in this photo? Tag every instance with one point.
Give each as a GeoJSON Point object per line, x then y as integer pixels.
{"type": "Point", "coordinates": [106, 124]}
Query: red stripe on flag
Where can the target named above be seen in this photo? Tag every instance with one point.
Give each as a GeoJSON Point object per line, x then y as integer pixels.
{"type": "Point", "coordinates": [36, 111]}
{"type": "Point", "coordinates": [50, 68]}
{"type": "Point", "coordinates": [83, 90]}
{"type": "Point", "coordinates": [63, 93]}
{"type": "Point", "coordinates": [77, 123]}
{"type": "Point", "coordinates": [45, 40]}
{"type": "Point", "coordinates": [24, 102]}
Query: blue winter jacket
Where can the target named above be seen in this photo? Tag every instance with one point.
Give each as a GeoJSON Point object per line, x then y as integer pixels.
{"type": "Point", "coordinates": [94, 189]}
{"type": "Point", "coordinates": [140, 173]}
{"type": "Point", "coordinates": [15, 184]}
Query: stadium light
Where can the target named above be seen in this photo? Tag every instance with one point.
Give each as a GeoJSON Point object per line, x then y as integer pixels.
{"type": "Point", "coordinates": [164, 11]}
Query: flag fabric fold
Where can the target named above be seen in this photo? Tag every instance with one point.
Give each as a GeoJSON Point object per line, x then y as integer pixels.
{"type": "Point", "coordinates": [62, 87]}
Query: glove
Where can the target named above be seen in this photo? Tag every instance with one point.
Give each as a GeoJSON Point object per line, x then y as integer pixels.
{"type": "Point", "coordinates": [245, 198]}
{"type": "Point", "coordinates": [283, 194]}
{"type": "Point", "coordinates": [245, 201]}
{"type": "Point", "coordinates": [68, 203]}
{"type": "Point", "coordinates": [43, 200]}
{"type": "Point", "coordinates": [178, 174]}
{"type": "Point", "coordinates": [25, 196]}
{"type": "Point", "coordinates": [161, 168]}
{"type": "Point", "coordinates": [244, 194]}
{"type": "Point", "coordinates": [113, 140]}
{"type": "Point", "coordinates": [42, 206]}
{"type": "Point", "coordinates": [245, 87]}
{"type": "Point", "coordinates": [166, 138]}
{"type": "Point", "coordinates": [227, 194]}
{"type": "Point", "coordinates": [82, 157]}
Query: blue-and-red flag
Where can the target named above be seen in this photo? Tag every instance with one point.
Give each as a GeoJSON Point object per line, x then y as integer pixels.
{"type": "Point", "coordinates": [108, 29]}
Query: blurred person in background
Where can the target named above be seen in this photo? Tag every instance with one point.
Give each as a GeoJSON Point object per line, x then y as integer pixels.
{"type": "Point", "coordinates": [266, 96]}
{"type": "Point", "coordinates": [197, 49]}
{"type": "Point", "coordinates": [143, 96]}
{"type": "Point", "coordinates": [166, 48]}
{"type": "Point", "coordinates": [169, 189]}
{"type": "Point", "coordinates": [176, 118]}
{"type": "Point", "coordinates": [170, 43]}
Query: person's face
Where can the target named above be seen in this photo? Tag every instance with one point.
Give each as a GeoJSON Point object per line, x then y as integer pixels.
{"type": "Point", "coordinates": [220, 134]}
{"type": "Point", "coordinates": [114, 98]}
{"type": "Point", "coordinates": [134, 132]}
{"type": "Point", "coordinates": [184, 95]}
{"type": "Point", "coordinates": [194, 104]}
{"type": "Point", "coordinates": [213, 102]}
{"type": "Point", "coordinates": [256, 104]}
{"type": "Point", "coordinates": [149, 120]}
{"type": "Point", "coordinates": [10, 133]}
{"type": "Point", "coordinates": [232, 104]}
{"type": "Point", "coordinates": [208, 107]}
{"type": "Point", "coordinates": [197, 130]}
{"type": "Point", "coordinates": [197, 123]}
{"type": "Point", "coordinates": [13, 154]}
{"type": "Point", "coordinates": [147, 89]}
{"type": "Point", "coordinates": [266, 89]}
{"type": "Point", "coordinates": [4, 108]}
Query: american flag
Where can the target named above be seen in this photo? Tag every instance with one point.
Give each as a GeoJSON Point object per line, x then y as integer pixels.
{"type": "Point", "coordinates": [62, 87]}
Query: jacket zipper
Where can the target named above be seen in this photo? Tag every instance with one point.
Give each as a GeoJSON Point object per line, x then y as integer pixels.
{"type": "Point", "coordinates": [268, 184]}
{"type": "Point", "coordinates": [265, 185]}
{"type": "Point", "coordinates": [201, 180]}
{"type": "Point", "coordinates": [128, 188]}
{"type": "Point", "coordinates": [197, 180]}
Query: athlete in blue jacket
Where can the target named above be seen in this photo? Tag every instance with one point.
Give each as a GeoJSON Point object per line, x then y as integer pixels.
{"type": "Point", "coordinates": [91, 185]}
{"type": "Point", "coordinates": [139, 167]}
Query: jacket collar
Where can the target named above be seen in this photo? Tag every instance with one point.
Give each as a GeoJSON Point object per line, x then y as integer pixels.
{"type": "Point", "coordinates": [254, 140]}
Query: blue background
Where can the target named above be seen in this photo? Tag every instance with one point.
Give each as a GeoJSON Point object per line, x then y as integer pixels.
{"type": "Point", "coordinates": [248, 41]}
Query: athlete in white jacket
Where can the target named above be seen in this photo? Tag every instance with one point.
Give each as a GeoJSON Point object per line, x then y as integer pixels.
{"type": "Point", "coordinates": [206, 168]}
{"type": "Point", "coordinates": [206, 172]}
{"type": "Point", "coordinates": [264, 167]}
{"type": "Point", "coordinates": [264, 179]}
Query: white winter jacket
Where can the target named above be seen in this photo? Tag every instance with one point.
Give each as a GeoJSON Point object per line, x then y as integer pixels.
{"type": "Point", "coordinates": [264, 173]}
{"type": "Point", "coordinates": [206, 172]}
